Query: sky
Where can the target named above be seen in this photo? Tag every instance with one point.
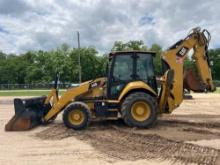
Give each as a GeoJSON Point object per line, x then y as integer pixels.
{"type": "Point", "coordinates": [46, 24]}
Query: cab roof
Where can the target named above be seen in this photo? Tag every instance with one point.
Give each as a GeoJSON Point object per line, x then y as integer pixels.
{"type": "Point", "coordinates": [131, 52]}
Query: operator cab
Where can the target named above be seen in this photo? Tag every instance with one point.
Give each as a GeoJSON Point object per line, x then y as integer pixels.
{"type": "Point", "coordinates": [130, 66]}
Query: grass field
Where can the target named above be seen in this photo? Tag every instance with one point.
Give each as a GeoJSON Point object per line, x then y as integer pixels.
{"type": "Point", "coordinates": [218, 90]}
{"type": "Point", "coordinates": [39, 92]}
{"type": "Point", "coordinates": [26, 92]}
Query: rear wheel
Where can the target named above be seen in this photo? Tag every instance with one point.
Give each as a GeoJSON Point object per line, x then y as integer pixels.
{"type": "Point", "coordinates": [139, 110]}
{"type": "Point", "coordinates": [77, 116]}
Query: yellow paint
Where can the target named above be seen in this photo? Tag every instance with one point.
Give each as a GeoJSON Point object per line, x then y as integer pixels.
{"type": "Point", "coordinates": [203, 67]}
{"type": "Point", "coordinates": [112, 101]}
{"type": "Point", "coordinates": [198, 45]}
{"type": "Point", "coordinates": [66, 98]}
{"type": "Point", "coordinates": [97, 91]}
{"type": "Point", "coordinates": [52, 95]}
{"type": "Point", "coordinates": [170, 57]}
{"type": "Point", "coordinates": [136, 85]}
{"type": "Point", "coordinates": [70, 95]}
{"type": "Point", "coordinates": [164, 93]}
{"type": "Point", "coordinates": [140, 111]}
{"type": "Point", "coordinates": [76, 117]}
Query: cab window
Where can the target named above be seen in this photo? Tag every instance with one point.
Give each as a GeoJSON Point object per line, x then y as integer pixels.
{"type": "Point", "coordinates": [144, 67]}
{"type": "Point", "coordinates": [123, 68]}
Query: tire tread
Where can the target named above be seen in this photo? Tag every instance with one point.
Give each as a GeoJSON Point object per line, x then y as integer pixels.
{"type": "Point", "coordinates": [125, 107]}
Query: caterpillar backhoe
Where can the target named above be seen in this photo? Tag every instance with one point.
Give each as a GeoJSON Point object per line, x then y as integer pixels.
{"type": "Point", "coordinates": [129, 91]}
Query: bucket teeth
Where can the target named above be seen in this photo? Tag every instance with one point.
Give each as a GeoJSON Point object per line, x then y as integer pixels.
{"type": "Point", "coordinates": [28, 113]}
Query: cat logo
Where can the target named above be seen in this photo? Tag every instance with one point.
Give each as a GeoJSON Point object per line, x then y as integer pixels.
{"type": "Point", "coordinates": [94, 84]}
{"type": "Point", "coordinates": [182, 52]}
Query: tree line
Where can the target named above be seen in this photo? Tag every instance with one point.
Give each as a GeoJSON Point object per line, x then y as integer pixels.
{"type": "Point", "coordinates": [41, 66]}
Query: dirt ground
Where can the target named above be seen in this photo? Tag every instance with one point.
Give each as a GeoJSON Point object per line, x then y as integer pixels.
{"type": "Point", "coordinates": [190, 135]}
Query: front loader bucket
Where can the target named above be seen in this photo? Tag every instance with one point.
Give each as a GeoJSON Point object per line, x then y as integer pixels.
{"type": "Point", "coordinates": [28, 113]}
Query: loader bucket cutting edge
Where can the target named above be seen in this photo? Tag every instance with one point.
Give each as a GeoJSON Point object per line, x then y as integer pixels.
{"type": "Point", "coordinates": [28, 113]}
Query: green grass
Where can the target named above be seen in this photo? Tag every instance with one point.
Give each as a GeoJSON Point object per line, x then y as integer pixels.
{"type": "Point", "coordinates": [217, 90]}
{"type": "Point", "coordinates": [26, 92]}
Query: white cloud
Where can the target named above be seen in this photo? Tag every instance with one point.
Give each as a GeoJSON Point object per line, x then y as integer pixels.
{"type": "Point", "coordinates": [45, 24]}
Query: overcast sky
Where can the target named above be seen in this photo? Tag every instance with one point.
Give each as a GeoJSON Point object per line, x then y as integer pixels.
{"type": "Point", "coordinates": [45, 24]}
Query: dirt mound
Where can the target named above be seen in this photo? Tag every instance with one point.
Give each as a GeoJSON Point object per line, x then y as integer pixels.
{"type": "Point", "coordinates": [120, 143]}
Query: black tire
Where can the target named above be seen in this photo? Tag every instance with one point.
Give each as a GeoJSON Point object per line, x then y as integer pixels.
{"type": "Point", "coordinates": [83, 109]}
{"type": "Point", "coordinates": [127, 106]}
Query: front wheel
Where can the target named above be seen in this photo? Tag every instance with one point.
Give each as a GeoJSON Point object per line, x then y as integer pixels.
{"type": "Point", "coordinates": [77, 116]}
{"type": "Point", "coordinates": [139, 109]}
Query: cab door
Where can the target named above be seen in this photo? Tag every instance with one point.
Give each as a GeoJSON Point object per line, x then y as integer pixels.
{"type": "Point", "coordinates": [145, 69]}
{"type": "Point", "coordinates": [121, 73]}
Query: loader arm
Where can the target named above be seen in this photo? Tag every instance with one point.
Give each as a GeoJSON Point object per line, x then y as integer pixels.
{"type": "Point", "coordinates": [70, 95]}
{"type": "Point", "coordinates": [173, 59]}
{"type": "Point", "coordinates": [67, 97]}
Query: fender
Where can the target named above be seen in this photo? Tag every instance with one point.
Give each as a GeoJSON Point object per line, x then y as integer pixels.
{"type": "Point", "coordinates": [136, 85]}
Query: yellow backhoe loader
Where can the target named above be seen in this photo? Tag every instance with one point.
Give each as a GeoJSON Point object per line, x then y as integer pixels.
{"type": "Point", "coordinates": [129, 91]}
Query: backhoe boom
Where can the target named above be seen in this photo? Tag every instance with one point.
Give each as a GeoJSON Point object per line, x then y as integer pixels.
{"type": "Point", "coordinates": [173, 59]}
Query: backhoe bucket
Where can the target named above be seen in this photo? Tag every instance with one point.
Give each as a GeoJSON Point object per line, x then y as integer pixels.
{"type": "Point", "coordinates": [28, 113]}
{"type": "Point", "coordinates": [191, 82]}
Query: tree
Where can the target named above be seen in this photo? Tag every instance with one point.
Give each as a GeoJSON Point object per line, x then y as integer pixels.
{"type": "Point", "coordinates": [118, 46]}
{"type": "Point", "coordinates": [41, 66]}
{"type": "Point", "coordinates": [157, 61]}
{"type": "Point", "coordinates": [214, 57]}
{"type": "Point", "coordinates": [136, 45]}
{"type": "Point", "coordinates": [91, 63]}
{"type": "Point", "coordinates": [131, 45]}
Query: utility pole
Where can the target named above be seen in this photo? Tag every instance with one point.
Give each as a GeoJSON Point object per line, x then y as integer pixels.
{"type": "Point", "coordinates": [79, 63]}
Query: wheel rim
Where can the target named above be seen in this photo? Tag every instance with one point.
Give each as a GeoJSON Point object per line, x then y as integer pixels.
{"type": "Point", "coordinates": [140, 111]}
{"type": "Point", "coordinates": [76, 117]}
